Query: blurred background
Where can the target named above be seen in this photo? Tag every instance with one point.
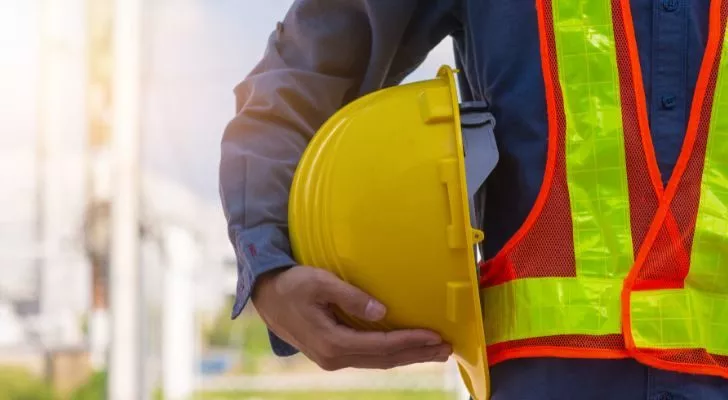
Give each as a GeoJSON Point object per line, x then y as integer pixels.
{"type": "Point", "coordinates": [112, 112]}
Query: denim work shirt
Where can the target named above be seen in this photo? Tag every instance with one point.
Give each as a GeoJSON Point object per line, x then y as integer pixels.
{"type": "Point", "coordinates": [326, 53]}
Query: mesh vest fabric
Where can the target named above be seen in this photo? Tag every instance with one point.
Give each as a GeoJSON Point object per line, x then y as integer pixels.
{"type": "Point", "coordinates": [610, 264]}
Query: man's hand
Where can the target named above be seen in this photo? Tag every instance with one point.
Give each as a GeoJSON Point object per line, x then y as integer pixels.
{"type": "Point", "coordinates": [296, 305]}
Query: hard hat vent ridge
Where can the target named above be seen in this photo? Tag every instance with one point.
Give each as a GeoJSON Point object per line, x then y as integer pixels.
{"type": "Point", "coordinates": [380, 198]}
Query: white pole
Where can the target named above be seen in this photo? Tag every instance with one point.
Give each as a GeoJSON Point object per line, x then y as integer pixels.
{"type": "Point", "coordinates": [99, 40]}
{"type": "Point", "coordinates": [98, 338]}
{"type": "Point", "coordinates": [178, 330]}
{"type": "Point", "coordinates": [55, 66]}
{"type": "Point", "coordinates": [125, 364]}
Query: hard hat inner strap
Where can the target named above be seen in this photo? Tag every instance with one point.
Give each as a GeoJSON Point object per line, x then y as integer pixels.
{"type": "Point", "coordinates": [481, 153]}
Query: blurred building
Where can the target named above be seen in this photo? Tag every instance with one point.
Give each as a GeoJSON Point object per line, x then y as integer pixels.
{"type": "Point", "coordinates": [45, 285]}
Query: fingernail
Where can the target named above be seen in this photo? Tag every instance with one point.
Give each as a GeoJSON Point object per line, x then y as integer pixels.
{"type": "Point", "coordinates": [433, 341]}
{"type": "Point", "coordinates": [374, 311]}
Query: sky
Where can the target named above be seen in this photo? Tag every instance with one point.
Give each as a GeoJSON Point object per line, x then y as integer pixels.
{"type": "Point", "coordinates": [199, 55]}
{"type": "Point", "coordinates": [195, 52]}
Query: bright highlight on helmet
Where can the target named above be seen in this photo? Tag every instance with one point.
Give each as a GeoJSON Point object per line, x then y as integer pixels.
{"type": "Point", "coordinates": [381, 198]}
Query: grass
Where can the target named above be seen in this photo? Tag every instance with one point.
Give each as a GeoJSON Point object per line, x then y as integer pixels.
{"type": "Point", "coordinates": [247, 333]}
{"type": "Point", "coordinates": [19, 384]}
{"type": "Point", "coordinates": [255, 345]}
{"type": "Point", "coordinates": [358, 395]}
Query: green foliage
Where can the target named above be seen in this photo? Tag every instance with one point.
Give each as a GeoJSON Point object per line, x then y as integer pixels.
{"type": "Point", "coordinates": [247, 333]}
{"type": "Point", "coordinates": [255, 343]}
{"type": "Point", "coordinates": [94, 389]}
{"type": "Point", "coordinates": [84, 322]}
{"type": "Point", "coordinates": [19, 384]}
{"type": "Point", "coordinates": [223, 332]}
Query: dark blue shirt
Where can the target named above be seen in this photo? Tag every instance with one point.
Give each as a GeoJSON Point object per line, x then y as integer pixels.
{"type": "Point", "coordinates": [671, 38]}
{"type": "Point", "coordinates": [327, 52]}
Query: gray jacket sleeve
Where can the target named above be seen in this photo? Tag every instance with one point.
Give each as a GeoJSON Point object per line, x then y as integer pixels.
{"type": "Point", "coordinates": [324, 54]}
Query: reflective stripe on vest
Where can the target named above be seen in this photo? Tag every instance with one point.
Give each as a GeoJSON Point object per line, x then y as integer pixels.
{"type": "Point", "coordinates": [696, 316]}
{"type": "Point", "coordinates": [597, 181]}
{"type": "Point", "coordinates": [641, 281]}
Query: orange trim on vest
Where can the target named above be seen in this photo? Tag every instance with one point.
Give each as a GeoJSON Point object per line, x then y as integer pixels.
{"type": "Point", "coordinates": [683, 255]}
{"type": "Point", "coordinates": [554, 351]}
{"type": "Point", "coordinates": [552, 138]}
{"type": "Point", "coordinates": [645, 132]}
{"type": "Point", "coordinates": [552, 205]}
{"type": "Point", "coordinates": [674, 236]}
{"type": "Point", "coordinates": [656, 362]}
{"type": "Point", "coordinates": [709, 59]}
{"type": "Point", "coordinates": [703, 93]}
{"type": "Point", "coordinates": [647, 358]}
{"type": "Point", "coordinates": [564, 346]}
{"type": "Point", "coordinates": [640, 99]}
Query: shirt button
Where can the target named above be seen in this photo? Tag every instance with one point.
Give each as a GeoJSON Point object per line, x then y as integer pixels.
{"type": "Point", "coordinates": [670, 5]}
{"type": "Point", "coordinates": [669, 102]}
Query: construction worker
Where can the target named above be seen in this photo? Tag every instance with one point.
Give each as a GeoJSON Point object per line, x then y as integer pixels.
{"type": "Point", "coordinates": [606, 218]}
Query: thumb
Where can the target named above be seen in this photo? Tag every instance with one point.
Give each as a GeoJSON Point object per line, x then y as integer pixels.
{"type": "Point", "coordinates": [352, 300]}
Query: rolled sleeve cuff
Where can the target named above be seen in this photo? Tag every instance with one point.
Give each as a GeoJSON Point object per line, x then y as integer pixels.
{"type": "Point", "coordinates": [258, 251]}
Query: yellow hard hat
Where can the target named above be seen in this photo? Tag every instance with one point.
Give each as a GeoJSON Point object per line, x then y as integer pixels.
{"type": "Point", "coordinates": [381, 199]}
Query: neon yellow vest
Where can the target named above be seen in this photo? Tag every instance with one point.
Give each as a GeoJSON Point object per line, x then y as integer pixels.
{"type": "Point", "coordinates": [609, 263]}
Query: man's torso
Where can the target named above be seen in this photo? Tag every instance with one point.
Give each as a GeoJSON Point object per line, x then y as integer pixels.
{"type": "Point", "coordinates": [499, 52]}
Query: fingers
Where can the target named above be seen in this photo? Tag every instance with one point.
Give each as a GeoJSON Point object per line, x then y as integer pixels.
{"type": "Point", "coordinates": [350, 299]}
{"type": "Point", "coordinates": [298, 305]}
{"type": "Point", "coordinates": [438, 353]}
{"type": "Point", "coordinates": [343, 347]}
{"type": "Point", "coordinates": [350, 341]}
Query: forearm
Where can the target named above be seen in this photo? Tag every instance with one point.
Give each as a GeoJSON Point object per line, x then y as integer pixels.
{"type": "Point", "coordinates": [323, 55]}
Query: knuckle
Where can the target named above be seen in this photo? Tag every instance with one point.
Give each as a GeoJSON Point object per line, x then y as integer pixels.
{"type": "Point", "coordinates": [319, 277]}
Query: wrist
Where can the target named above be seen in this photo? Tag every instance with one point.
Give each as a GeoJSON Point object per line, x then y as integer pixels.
{"type": "Point", "coordinates": [265, 280]}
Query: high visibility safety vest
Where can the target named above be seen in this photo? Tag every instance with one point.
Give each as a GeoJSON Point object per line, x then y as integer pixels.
{"type": "Point", "coordinates": [609, 263]}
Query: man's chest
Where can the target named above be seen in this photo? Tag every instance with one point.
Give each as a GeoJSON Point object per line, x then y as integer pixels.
{"type": "Point", "coordinates": [499, 48]}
